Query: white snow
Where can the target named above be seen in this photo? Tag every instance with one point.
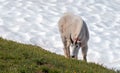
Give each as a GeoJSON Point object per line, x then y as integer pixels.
{"type": "Point", "coordinates": [35, 22]}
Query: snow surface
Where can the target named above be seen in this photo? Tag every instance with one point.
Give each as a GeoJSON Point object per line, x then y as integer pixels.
{"type": "Point", "coordinates": [35, 22]}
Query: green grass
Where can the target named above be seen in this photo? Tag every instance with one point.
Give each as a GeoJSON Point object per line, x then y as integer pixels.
{"type": "Point", "coordinates": [21, 58]}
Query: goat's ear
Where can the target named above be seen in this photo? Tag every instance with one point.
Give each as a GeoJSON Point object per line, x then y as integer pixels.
{"type": "Point", "coordinates": [77, 40]}
{"type": "Point", "coordinates": [71, 39]}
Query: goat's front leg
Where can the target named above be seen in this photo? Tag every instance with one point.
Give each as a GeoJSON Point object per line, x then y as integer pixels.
{"type": "Point", "coordinates": [67, 52]}
{"type": "Point", "coordinates": [84, 52]}
{"type": "Point", "coordinates": [67, 49]}
{"type": "Point", "coordinates": [65, 46]}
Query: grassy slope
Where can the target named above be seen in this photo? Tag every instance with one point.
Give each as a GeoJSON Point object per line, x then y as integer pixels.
{"type": "Point", "coordinates": [21, 58]}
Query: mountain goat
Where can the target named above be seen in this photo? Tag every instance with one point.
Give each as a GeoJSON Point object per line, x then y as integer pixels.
{"type": "Point", "coordinates": [74, 34]}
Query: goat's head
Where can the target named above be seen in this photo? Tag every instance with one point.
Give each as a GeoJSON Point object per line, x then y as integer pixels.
{"type": "Point", "coordinates": [75, 46]}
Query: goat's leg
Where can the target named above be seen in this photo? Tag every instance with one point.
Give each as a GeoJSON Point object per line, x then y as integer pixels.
{"type": "Point", "coordinates": [67, 49]}
{"type": "Point", "coordinates": [66, 53]}
{"type": "Point", "coordinates": [84, 52]}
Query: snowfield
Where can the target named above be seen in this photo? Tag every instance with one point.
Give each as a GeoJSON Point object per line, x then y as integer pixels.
{"type": "Point", "coordinates": [35, 22]}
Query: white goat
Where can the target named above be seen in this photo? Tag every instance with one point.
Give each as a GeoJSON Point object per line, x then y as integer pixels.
{"type": "Point", "coordinates": [74, 34]}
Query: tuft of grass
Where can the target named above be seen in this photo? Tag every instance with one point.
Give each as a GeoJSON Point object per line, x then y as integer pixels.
{"type": "Point", "coordinates": [21, 58]}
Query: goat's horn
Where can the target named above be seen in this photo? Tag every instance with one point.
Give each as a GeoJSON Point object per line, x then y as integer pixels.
{"type": "Point", "coordinates": [71, 39]}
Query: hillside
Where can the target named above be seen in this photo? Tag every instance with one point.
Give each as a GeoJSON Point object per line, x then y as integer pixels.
{"type": "Point", "coordinates": [22, 58]}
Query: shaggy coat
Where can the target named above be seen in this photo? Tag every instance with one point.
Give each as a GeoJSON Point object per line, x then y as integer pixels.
{"type": "Point", "coordinates": [74, 33]}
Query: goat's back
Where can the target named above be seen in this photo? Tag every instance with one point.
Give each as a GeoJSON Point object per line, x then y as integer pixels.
{"type": "Point", "coordinates": [70, 24]}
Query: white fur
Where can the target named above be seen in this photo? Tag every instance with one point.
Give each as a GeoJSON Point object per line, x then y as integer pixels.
{"type": "Point", "coordinates": [74, 32]}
